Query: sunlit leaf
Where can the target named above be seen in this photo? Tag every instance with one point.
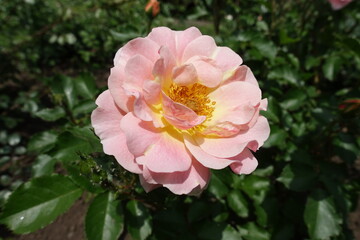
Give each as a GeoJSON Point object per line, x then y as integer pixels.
{"type": "Point", "coordinates": [104, 219]}
{"type": "Point", "coordinates": [39, 202]}
{"type": "Point", "coordinates": [320, 216]}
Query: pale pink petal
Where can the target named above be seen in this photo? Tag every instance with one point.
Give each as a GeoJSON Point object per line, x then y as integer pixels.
{"type": "Point", "coordinates": [180, 182]}
{"type": "Point", "coordinates": [236, 102]}
{"type": "Point", "coordinates": [204, 158]}
{"type": "Point", "coordinates": [141, 109]}
{"type": "Point", "coordinates": [138, 69]}
{"type": "Point", "coordinates": [247, 163]}
{"type": "Point", "coordinates": [180, 115]}
{"type": "Point", "coordinates": [142, 46]}
{"type": "Point", "coordinates": [151, 91]}
{"type": "Point", "coordinates": [242, 73]}
{"type": "Point", "coordinates": [338, 4]}
{"type": "Point", "coordinates": [209, 74]}
{"type": "Point", "coordinates": [221, 129]}
{"type": "Point", "coordinates": [115, 82]}
{"type": "Point", "coordinates": [235, 94]}
{"type": "Point", "coordinates": [226, 58]}
{"type": "Point", "coordinates": [183, 38]}
{"type": "Point", "coordinates": [164, 66]}
{"type": "Point", "coordinates": [164, 36]}
{"type": "Point", "coordinates": [184, 75]}
{"type": "Point", "coordinates": [252, 138]}
{"type": "Point", "coordinates": [158, 150]}
{"type": "Point", "coordinates": [106, 122]}
{"type": "Point", "coordinates": [226, 127]}
{"type": "Point", "coordinates": [201, 46]}
{"type": "Point", "coordinates": [262, 106]}
{"type": "Point", "coordinates": [148, 187]}
{"type": "Point", "coordinates": [139, 134]}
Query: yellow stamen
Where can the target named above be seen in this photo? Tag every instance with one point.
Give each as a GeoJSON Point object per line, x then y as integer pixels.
{"type": "Point", "coordinates": [194, 97]}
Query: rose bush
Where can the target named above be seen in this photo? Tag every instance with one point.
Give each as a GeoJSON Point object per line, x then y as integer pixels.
{"type": "Point", "coordinates": [177, 106]}
{"type": "Point", "coordinates": [338, 4]}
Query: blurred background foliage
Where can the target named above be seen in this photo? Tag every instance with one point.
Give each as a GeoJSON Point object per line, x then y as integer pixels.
{"type": "Point", "coordinates": [55, 60]}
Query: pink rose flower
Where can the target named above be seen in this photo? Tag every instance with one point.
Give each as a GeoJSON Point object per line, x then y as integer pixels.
{"type": "Point", "coordinates": [338, 4]}
{"type": "Point", "coordinates": [178, 105]}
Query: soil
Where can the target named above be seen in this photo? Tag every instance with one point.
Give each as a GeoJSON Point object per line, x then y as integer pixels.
{"type": "Point", "coordinates": [354, 221]}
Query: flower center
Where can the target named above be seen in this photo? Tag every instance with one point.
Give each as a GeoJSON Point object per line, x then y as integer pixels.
{"type": "Point", "coordinates": [194, 97]}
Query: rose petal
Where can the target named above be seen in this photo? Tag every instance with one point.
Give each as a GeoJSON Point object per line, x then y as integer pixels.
{"type": "Point", "coordinates": [201, 46]}
{"type": "Point", "coordinates": [158, 150]}
{"type": "Point", "coordinates": [184, 75]}
{"type": "Point", "coordinates": [115, 82]}
{"type": "Point", "coordinates": [183, 38]}
{"type": "Point", "coordinates": [147, 186]}
{"type": "Point", "coordinates": [142, 46]}
{"type": "Point", "coordinates": [209, 74]}
{"type": "Point", "coordinates": [242, 73]}
{"type": "Point", "coordinates": [180, 115]}
{"type": "Point", "coordinates": [181, 182]}
{"type": "Point", "coordinates": [247, 163]}
{"type": "Point", "coordinates": [236, 102]}
{"type": "Point", "coordinates": [226, 58]}
{"type": "Point", "coordinates": [106, 122]}
{"type": "Point", "coordinates": [152, 90]}
{"type": "Point", "coordinates": [204, 158]}
{"type": "Point", "coordinates": [221, 129]}
{"type": "Point", "coordinates": [232, 146]}
{"type": "Point", "coordinates": [338, 4]}
{"type": "Point", "coordinates": [164, 36]}
{"type": "Point", "coordinates": [164, 66]}
{"type": "Point", "coordinates": [138, 70]}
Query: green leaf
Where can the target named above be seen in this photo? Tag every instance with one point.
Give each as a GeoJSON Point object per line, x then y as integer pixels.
{"type": "Point", "coordinates": [69, 91]}
{"type": "Point", "coordinates": [285, 38]}
{"type": "Point", "coordinates": [217, 187]}
{"type": "Point", "coordinates": [138, 219]}
{"type": "Point", "coordinates": [86, 134]}
{"type": "Point", "coordinates": [285, 74]}
{"type": "Point", "coordinates": [266, 48]}
{"type": "Point", "coordinates": [51, 114]}
{"type": "Point", "coordinates": [231, 234]}
{"type": "Point", "coordinates": [277, 137]}
{"type": "Point", "coordinates": [273, 112]}
{"type": "Point", "coordinates": [43, 165]}
{"type": "Point", "coordinates": [352, 44]}
{"type": "Point", "coordinates": [42, 142]}
{"type": "Point", "coordinates": [84, 107]}
{"type": "Point", "coordinates": [85, 86]}
{"type": "Point", "coordinates": [70, 145]}
{"type": "Point", "coordinates": [320, 216]}
{"type": "Point", "coordinates": [84, 181]}
{"type": "Point", "coordinates": [267, 212]}
{"type": "Point", "coordinates": [331, 66]}
{"type": "Point", "coordinates": [104, 219]}
{"type": "Point", "coordinates": [253, 232]}
{"type": "Point", "coordinates": [294, 99]}
{"type": "Point", "coordinates": [256, 187]}
{"type": "Point", "coordinates": [14, 139]}
{"type": "Point", "coordinates": [217, 231]}
{"type": "Point", "coordinates": [238, 203]}
{"type": "Point", "coordinates": [39, 202]}
{"type": "Point", "coordinates": [297, 177]}
{"type": "Point", "coordinates": [311, 62]}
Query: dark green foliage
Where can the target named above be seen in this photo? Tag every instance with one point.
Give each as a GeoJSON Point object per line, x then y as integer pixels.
{"type": "Point", "coordinates": [55, 60]}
